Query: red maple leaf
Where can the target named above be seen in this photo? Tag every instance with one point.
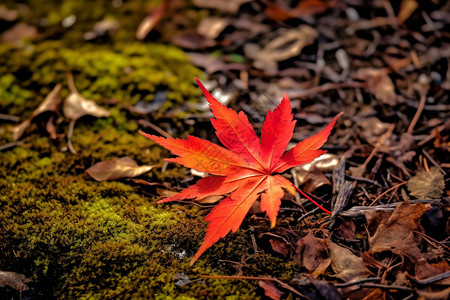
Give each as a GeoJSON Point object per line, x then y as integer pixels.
{"type": "Point", "coordinates": [245, 168]}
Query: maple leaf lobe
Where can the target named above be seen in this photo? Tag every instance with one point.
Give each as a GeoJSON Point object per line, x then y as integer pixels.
{"type": "Point", "coordinates": [244, 169]}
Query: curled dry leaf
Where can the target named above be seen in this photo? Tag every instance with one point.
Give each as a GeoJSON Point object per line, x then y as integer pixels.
{"type": "Point", "coordinates": [270, 290]}
{"type": "Point", "coordinates": [395, 233]}
{"type": "Point", "coordinates": [229, 6]}
{"type": "Point", "coordinates": [312, 253]}
{"type": "Point", "coordinates": [18, 33]}
{"type": "Point", "coordinates": [211, 27]}
{"type": "Point", "coordinates": [346, 265]}
{"type": "Point", "coordinates": [151, 20]}
{"type": "Point", "coordinates": [50, 103]}
{"type": "Point", "coordinates": [427, 185]}
{"type": "Point", "coordinates": [117, 168]}
{"type": "Point", "coordinates": [76, 106]}
{"type": "Point", "coordinates": [15, 280]}
{"type": "Point", "coordinates": [288, 44]}
{"type": "Point", "coordinates": [379, 84]}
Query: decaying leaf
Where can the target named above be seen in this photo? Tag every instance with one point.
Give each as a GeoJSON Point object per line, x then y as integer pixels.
{"type": "Point", "coordinates": [151, 20]}
{"type": "Point", "coordinates": [379, 84]}
{"type": "Point", "coordinates": [346, 265]}
{"type": "Point", "coordinates": [246, 168]}
{"type": "Point", "coordinates": [117, 168]}
{"type": "Point", "coordinates": [230, 6]}
{"type": "Point", "coordinates": [211, 27]}
{"type": "Point", "coordinates": [395, 233]}
{"type": "Point", "coordinates": [312, 253]}
{"type": "Point", "coordinates": [50, 103]}
{"type": "Point", "coordinates": [75, 106]}
{"type": "Point", "coordinates": [286, 45]}
{"type": "Point", "coordinates": [270, 290]}
{"type": "Point", "coordinates": [427, 185]}
{"type": "Point", "coordinates": [15, 280]}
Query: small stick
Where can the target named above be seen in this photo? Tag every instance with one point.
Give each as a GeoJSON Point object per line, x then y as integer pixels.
{"type": "Point", "coordinates": [69, 136]}
{"type": "Point", "coordinates": [155, 128]}
{"type": "Point", "coordinates": [433, 161]}
{"type": "Point", "coordinates": [239, 277]}
{"type": "Point", "coordinates": [416, 117]}
{"type": "Point", "coordinates": [387, 191]}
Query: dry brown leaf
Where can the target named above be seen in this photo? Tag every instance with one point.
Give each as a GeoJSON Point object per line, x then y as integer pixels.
{"type": "Point", "coordinates": [211, 27]}
{"type": "Point", "coordinates": [76, 106]}
{"type": "Point", "coordinates": [280, 247]}
{"type": "Point", "coordinates": [151, 20]}
{"type": "Point", "coordinates": [312, 253]}
{"type": "Point", "coordinates": [270, 290]}
{"type": "Point", "coordinates": [19, 32]}
{"type": "Point", "coordinates": [50, 103]}
{"type": "Point", "coordinates": [346, 265]}
{"type": "Point", "coordinates": [15, 280]}
{"type": "Point", "coordinates": [395, 233]}
{"type": "Point", "coordinates": [192, 41]}
{"type": "Point", "coordinates": [427, 185]}
{"type": "Point", "coordinates": [229, 6]}
{"type": "Point", "coordinates": [117, 168]}
{"type": "Point", "coordinates": [286, 45]}
{"type": "Point", "coordinates": [379, 84]}
{"type": "Point", "coordinates": [434, 295]}
{"type": "Point", "coordinates": [407, 7]}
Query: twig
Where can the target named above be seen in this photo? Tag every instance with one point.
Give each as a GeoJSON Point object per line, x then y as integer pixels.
{"type": "Point", "coordinates": [238, 277]}
{"type": "Point", "coordinates": [433, 133]}
{"type": "Point", "coordinates": [69, 136]}
{"type": "Point", "coordinates": [416, 117]}
{"type": "Point", "coordinates": [359, 211]}
{"type": "Point", "coordinates": [386, 287]}
{"type": "Point", "coordinates": [431, 239]}
{"type": "Point", "coordinates": [10, 145]}
{"type": "Point", "coordinates": [431, 279]}
{"type": "Point", "coordinates": [347, 284]}
{"type": "Point", "coordinates": [387, 191]}
{"type": "Point", "coordinates": [9, 118]}
{"type": "Point", "coordinates": [325, 87]}
{"type": "Point", "coordinates": [378, 145]}
{"type": "Point", "coordinates": [155, 128]}
{"type": "Point", "coordinates": [425, 152]}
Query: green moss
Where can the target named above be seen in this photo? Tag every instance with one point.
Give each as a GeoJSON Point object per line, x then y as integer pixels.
{"type": "Point", "coordinates": [82, 239]}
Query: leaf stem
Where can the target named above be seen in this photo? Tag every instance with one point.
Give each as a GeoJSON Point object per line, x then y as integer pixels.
{"type": "Point", "coordinates": [315, 203]}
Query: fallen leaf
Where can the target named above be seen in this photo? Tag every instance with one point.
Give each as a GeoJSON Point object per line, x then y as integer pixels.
{"type": "Point", "coordinates": [192, 41]}
{"type": "Point", "coordinates": [287, 44]}
{"type": "Point", "coordinates": [211, 27]}
{"type": "Point", "coordinates": [245, 168]}
{"type": "Point", "coordinates": [441, 294]}
{"type": "Point", "coordinates": [427, 185]}
{"type": "Point", "coordinates": [15, 280]}
{"type": "Point", "coordinates": [18, 33]}
{"type": "Point", "coordinates": [229, 6]}
{"type": "Point", "coordinates": [395, 233]}
{"type": "Point", "coordinates": [280, 247]}
{"type": "Point", "coordinates": [8, 15]}
{"type": "Point", "coordinates": [346, 265]}
{"type": "Point", "coordinates": [76, 106]}
{"type": "Point", "coordinates": [151, 20]}
{"type": "Point", "coordinates": [270, 290]}
{"type": "Point", "coordinates": [312, 253]}
{"type": "Point", "coordinates": [50, 103]}
{"type": "Point", "coordinates": [117, 168]}
{"type": "Point", "coordinates": [379, 84]}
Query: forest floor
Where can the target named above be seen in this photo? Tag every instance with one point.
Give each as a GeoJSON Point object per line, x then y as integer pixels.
{"type": "Point", "coordinates": [79, 79]}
